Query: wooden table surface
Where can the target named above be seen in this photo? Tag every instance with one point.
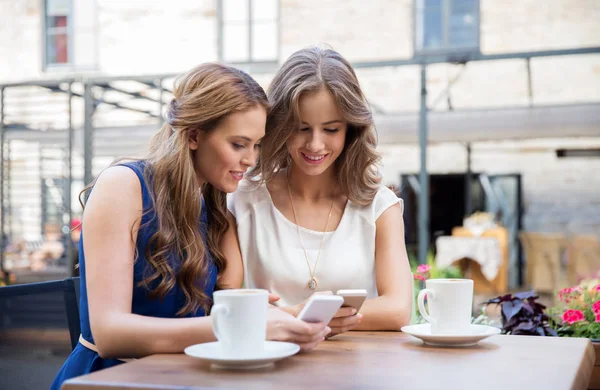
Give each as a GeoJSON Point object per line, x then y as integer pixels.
{"type": "Point", "coordinates": [374, 360]}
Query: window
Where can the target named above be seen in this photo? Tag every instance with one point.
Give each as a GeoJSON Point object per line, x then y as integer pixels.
{"type": "Point", "coordinates": [446, 26]}
{"type": "Point", "coordinates": [57, 27]}
{"type": "Point", "coordinates": [249, 30]}
{"type": "Point", "coordinates": [566, 153]}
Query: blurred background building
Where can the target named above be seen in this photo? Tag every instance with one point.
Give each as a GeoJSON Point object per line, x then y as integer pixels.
{"type": "Point", "coordinates": [531, 125]}
{"type": "Point", "coordinates": [517, 137]}
{"type": "Point", "coordinates": [513, 140]}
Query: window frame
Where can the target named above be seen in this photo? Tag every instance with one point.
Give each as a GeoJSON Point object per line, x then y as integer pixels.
{"type": "Point", "coordinates": [418, 30]}
{"type": "Point", "coordinates": [249, 60]}
{"type": "Point", "coordinates": [46, 65]}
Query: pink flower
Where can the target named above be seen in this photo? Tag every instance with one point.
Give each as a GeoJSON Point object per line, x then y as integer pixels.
{"type": "Point", "coordinates": [422, 268]}
{"type": "Point", "coordinates": [597, 288]}
{"type": "Point", "coordinates": [566, 294]}
{"type": "Point", "coordinates": [596, 307]}
{"type": "Point", "coordinates": [419, 277]}
{"type": "Point", "coordinates": [597, 317]}
{"type": "Point", "coordinates": [562, 293]}
{"type": "Point", "coordinates": [572, 316]}
{"type": "Point", "coordinates": [565, 291]}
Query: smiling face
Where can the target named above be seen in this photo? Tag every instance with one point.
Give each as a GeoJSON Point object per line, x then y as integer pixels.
{"type": "Point", "coordinates": [322, 134]}
{"type": "Point", "coordinates": [222, 156]}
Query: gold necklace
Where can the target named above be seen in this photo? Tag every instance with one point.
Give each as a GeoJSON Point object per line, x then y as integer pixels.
{"type": "Point", "coordinates": [312, 283]}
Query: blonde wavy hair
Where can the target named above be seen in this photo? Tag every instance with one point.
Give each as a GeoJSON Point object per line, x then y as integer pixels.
{"type": "Point", "coordinates": [202, 98]}
{"type": "Point", "coordinates": [310, 70]}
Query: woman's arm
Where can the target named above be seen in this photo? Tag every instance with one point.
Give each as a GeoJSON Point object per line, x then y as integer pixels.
{"type": "Point", "coordinates": [113, 210]}
{"type": "Point", "coordinates": [233, 277]}
{"type": "Point", "coordinates": [393, 308]}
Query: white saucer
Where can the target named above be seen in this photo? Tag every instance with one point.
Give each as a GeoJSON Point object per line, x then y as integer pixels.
{"type": "Point", "coordinates": [476, 333]}
{"type": "Point", "coordinates": [211, 352]}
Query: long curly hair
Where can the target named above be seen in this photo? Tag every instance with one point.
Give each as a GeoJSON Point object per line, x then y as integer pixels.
{"type": "Point", "coordinates": [202, 98]}
{"type": "Point", "coordinates": [310, 70]}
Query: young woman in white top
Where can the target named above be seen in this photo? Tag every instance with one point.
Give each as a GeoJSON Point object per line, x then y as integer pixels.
{"type": "Point", "coordinates": [313, 215]}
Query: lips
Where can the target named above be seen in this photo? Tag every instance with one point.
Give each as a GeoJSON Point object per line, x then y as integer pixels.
{"type": "Point", "coordinates": [237, 175]}
{"type": "Point", "coordinates": [314, 158]}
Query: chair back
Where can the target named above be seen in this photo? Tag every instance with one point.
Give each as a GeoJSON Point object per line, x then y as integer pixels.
{"type": "Point", "coordinates": [16, 297]}
{"type": "Point", "coordinates": [543, 253]}
{"type": "Point", "coordinates": [583, 258]}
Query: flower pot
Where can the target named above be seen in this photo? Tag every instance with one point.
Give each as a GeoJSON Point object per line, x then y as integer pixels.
{"type": "Point", "coordinates": [595, 378]}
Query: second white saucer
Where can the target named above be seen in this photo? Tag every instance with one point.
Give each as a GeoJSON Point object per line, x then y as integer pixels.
{"type": "Point", "coordinates": [213, 353]}
{"type": "Point", "coordinates": [475, 334]}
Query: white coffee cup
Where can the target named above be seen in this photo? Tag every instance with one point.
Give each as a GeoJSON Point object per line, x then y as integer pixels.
{"type": "Point", "coordinates": [239, 320]}
{"type": "Point", "coordinates": [450, 303]}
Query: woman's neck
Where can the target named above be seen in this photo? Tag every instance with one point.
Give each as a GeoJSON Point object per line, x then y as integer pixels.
{"type": "Point", "coordinates": [312, 188]}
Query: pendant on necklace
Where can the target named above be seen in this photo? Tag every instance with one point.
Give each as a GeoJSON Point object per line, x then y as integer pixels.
{"type": "Point", "coordinates": [313, 284]}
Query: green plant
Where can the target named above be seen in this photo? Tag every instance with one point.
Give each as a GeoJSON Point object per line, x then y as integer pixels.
{"type": "Point", "coordinates": [433, 272]}
{"type": "Point", "coordinates": [483, 319]}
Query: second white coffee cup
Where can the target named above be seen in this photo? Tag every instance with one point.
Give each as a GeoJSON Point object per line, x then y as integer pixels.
{"type": "Point", "coordinates": [239, 320]}
{"type": "Point", "coordinates": [450, 304]}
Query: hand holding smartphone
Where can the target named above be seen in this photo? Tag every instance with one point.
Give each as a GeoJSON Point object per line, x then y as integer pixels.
{"type": "Point", "coordinates": [353, 298]}
{"type": "Point", "coordinates": [321, 308]}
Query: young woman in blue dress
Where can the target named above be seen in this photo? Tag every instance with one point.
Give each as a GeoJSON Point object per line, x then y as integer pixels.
{"type": "Point", "coordinates": [157, 236]}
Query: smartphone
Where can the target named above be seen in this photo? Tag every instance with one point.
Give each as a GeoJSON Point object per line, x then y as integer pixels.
{"type": "Point", "coordinates": [321, 308]}
{"type": "Point", "coordinates": [353, 298]}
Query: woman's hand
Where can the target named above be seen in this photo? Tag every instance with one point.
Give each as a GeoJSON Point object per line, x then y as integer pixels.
{"type": "Point", "coordinates": [295, 310]}
{"type": "Point", "coordinates": [282, 326]}
{"type": "Point", "coordinates": [344, 320]}
{"type": "Point", "coordinates": [273, 298]}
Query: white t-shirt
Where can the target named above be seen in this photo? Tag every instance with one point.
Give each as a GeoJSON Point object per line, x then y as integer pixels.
{"type": "Point", "coordinates": [273, 256]}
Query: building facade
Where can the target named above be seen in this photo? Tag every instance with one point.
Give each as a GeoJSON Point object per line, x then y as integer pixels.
{"type": "Point", "coordinates": [50, 39]}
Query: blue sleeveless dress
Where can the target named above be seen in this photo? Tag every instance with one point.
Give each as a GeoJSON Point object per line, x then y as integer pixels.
{"type": "Point", "coordinates": [82, 360]}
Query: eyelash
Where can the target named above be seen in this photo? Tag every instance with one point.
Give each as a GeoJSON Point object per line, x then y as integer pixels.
{"type": "Point", "coordinates": [332, 131]}
{"type": "Point", "coordinates": [238, 146]}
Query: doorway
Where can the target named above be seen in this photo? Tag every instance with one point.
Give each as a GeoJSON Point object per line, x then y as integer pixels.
{"type": "Point", "coordinates": [449, 203]}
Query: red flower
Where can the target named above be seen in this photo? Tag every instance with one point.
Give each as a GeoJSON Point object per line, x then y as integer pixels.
{"type": "Point", "coordinates": [597, 317]}
{"type": "Point", "coordinates": [596, 307]}
{"type": "Point", "coordinates": [572, 316]}
{"type": "Point", "coordinates": [419, 277]}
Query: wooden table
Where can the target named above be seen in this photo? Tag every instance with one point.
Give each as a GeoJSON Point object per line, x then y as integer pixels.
{"type": "Point", "coordinates": [374, 360]}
